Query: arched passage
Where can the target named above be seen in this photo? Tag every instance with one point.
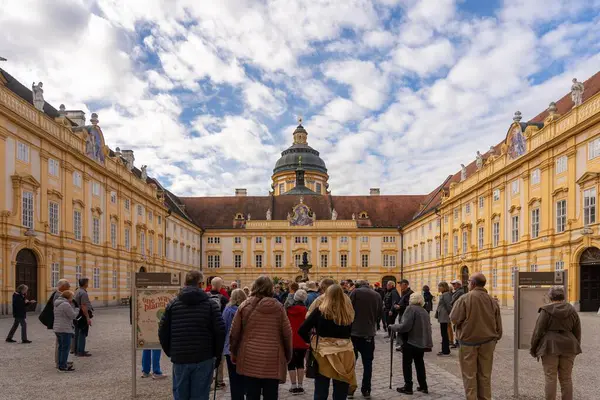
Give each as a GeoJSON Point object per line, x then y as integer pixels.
{"type": "Point", "coordinates": [26, 272]}
{"type": "Point", "coordinates": [387, 278]}
{"type": "Point", "coordinates": [589, 263]}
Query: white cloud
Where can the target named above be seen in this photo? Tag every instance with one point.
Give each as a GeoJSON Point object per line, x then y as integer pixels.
{"type": "Point", "coordinates": [425, 60]}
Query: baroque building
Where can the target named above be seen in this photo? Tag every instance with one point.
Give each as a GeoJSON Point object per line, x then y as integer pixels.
{"type": "Point", "coordinates": [73, 207]}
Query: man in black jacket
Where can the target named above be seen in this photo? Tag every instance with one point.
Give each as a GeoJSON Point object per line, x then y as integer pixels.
{"type": "Point", "coordinates": [390, 300]}
{"type": "Point", "coordinates": [192, 334]}
{"type": "Point", "coordinates": [405, 292]}
{"type": "Point", "coordinates": [19, 314]}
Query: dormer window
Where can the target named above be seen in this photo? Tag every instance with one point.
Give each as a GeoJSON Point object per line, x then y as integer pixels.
{"type": "Point", "coordinates": [239, 216]}
{"type": "Point", "coordinates": [363, 215]}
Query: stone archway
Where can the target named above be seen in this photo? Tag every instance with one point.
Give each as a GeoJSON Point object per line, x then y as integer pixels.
{"type": "Point", "coordinates": [464, 277]}
{"type": "Point", "coordinates": [26, 273]}
{"type": "Point", "coordinates": [589, 283]}
{"type": "Point", "coordinates": [386, 279]}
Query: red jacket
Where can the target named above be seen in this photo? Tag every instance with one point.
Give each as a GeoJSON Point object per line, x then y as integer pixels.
{"type": "Point", "coordinates": [297, 314]}
{"type": "Point", "coordinates": [222, 291]}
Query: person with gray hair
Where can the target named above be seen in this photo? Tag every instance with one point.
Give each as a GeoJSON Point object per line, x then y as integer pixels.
{"type": "Point", "coordinates": [556, 340]}
{"type": "Point", "coordinates": [313, 293]}
{"type": "Point", "coordinates": [416, 324]}
{"type": "Point", "coordinates": [19, 310]}
{"type": "Point", "coordinates": [296, 313]}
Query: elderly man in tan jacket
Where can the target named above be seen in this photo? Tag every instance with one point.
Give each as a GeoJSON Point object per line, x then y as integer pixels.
{"type": "Point", "coordinates": [478, 328]}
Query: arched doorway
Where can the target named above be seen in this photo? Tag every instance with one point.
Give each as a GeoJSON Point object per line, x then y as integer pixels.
{"type": "Point", "coordinates": [386, 279]}
{"type": "Point", "coordinates": [26, 273]}
{"type": "Point", "coordinates": [143, 269]}
{"type": "Point", "coordinates": [589, 284]}
{"type": "Point", "coordinates": [464, 277]}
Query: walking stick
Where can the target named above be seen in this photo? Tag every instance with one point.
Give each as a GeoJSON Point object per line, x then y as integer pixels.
{"type": "Point", "coordinates": [216, 376]}
{"type": "Point", "coordinates": [391, 334]}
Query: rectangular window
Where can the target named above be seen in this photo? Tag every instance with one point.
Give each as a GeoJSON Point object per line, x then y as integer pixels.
{"type": "Point", "coordinates": [53, 167]}
{"type": "Point", "coordinates": [96, 231]}
{"type": "Point", "coordinates": [514, 187]}
{"type": "Point", "coordinates": [277, 239]}
{"type": "Point", "coordinates": [468, 208]}
{"type": "Point", "coordinates": [422, 230]}
{"type": "Point", "coordinates": [76, 179]}
{"type": "Point", "coordinates": [535, 223]}
{"type": "Point", "coordinates": [496, 194]}
{"type": "Point", "coordinates": [389, 260]}
{"type": "Point", "coordinates": [456, 213]}
{"type": "Point", "coordinates": [438, 222]}
{"type": "Point", "coordinates": [446, 218]}
{"type": "Point", "coordinates": [113, 235]}
{"type": "Point", "coordinates": [389, 239]}
{"type": "Point", "coordinates": [151, 248]}
{"type": "Point", "coordinates": [214, 240]}
{"type": "Point", "coordinates": [55, 274]}
{"type": "Point", "coordinates": [258, 258]}
{"type": "Point", "coordinates": [143, 244]}
{"type": "Point", "coordinates": [96, 278]}
{"type": "Point", "coordinates": [160, 247]}
{"type": "Point", "coordinates": [423, 253]}
{"type": "Point", "coordinates": [364, 239]}
{"type": "Point", "coordinates": [561, 165]}
{"type": "Point", "coordinates": [344, 260]}
{"type": "Point", "coordinates": [318, 188]}
{"type": "Point", "coordinates": [216, 256]}
{"type": "Point", "coordinates": [494, 277]}
{"type": "Point", "coordinates": [298, 259]}
{"type": "Point", "coordinates": [465, 242]}
{"type": "Point", "coordinates": [533, 268]}
{"type": "Point", "coordinates": [127, 204]}
{"type": "Point", "coordinates": [455, 247]}
{"type": "Point", "coordinates": [495, 234]}
{"type": "Point", "coordinates": [324, 239]}
{"type": "Point", "coordinates": [278, 260]}
{"type": "Point", "coordinates": [281, 188]}
{"type": "Point", "coordinates": [114, 279]}
{"type": "Point", "coordinates": [113, 197]}
{"type": "Point", "coordinates": [237, 261]}
{"type": "Point", "coordinates": [515, 228]}
{"type": "Point", "coordinates": [23, 152]}
{"type": "Point", "coordinates": [415, 254]}
{"type": "Point", "coordinates": [344, 239]}
{"type": "Point", "coordinates": [445, 246]}
{"type": "Point", "coordinates": [513, 276]}
{"type": "Point", "coordinates": [96, 188]}
{"type": "Point", "coordinates": [535, 176]}
{"type": "Point", "coordinates": [140, 210]}
{"type": "Point", "coordinates": [210, 261]}
{"type": "Point", "coordinates": [594, 149]}
{"type": "Point", "coordinates": [78, 274]}
{"type": "Point", "coordinates": [589, 206]}
{"type": "Point", "coordinates": [429, 244]}
{"type": "Point", "coordinates": [561, 216]}
{"type": "Point", "coordinates": [559, 266]}
{"type": "Point", "coordinates": [238, 240]}
{"type": "Point", "coordinates": [430, 226]}
{"type": "Point", "coordinates": [481, 201]}
{"type": "Point", "coordinates": [438, 250]}
{"type": "Point", "coordinates": [259, 239]}
{"type": "Point", "coordinates": [480, 232]}
{"type": "Point", "coordinates": [53, 217]}
{"type": "Point", "coordinates": [301, 239]}
{"type": "Point", "coordinates": [27, 205]}
{"type": "Point", "coordinates": [127, 239]}
{"type": "Point", "coordinates": [151, 215]}
{"type": "Point", "coordinates": [324, 260]}
{"type": "Point", "coordinates": [364, 260]}
{"type": "Point", "coordinates": [159, 219]}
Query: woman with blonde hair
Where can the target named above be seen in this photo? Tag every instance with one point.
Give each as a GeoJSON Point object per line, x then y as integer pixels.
{"type": "Point", "coordinates": [331, 346]}
{"type": "Point", "coordinates": [236, 381]}
{"type": "Point", "coordinates": [443, 316]}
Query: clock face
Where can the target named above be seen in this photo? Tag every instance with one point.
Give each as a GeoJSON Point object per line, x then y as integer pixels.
{"type": "Point", "coordinates": [517, 145]}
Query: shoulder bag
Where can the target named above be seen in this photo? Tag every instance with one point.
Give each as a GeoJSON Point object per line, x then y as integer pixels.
{"type": "Point", "coordinates": [312, 367]}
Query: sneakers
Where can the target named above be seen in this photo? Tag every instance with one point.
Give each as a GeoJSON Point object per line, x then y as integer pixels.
{"type": "Point", "coordinates": [440, 354]}
{"type": "Point", "coordinates": [423, 390]}
{"type": "Point", "coordinates": [221, 385]}
{"type": "Point", "coordinates": [399, 348]}
{"type": "Point", "coordinates": [296, 390]}
{"type": "Point", "coordinates": [158, 376]}
{"type": "Point", "coordinates": [366, 394]}
{"type": "Point", "coordinates": [84, 354]}
{"type": "Point", "coordinates": [145, 375]}
{"type": "Point", "coordinates": [68, 369]}
{"type": "Point", "coordinates": [26, 341]}
{"type": "Point", "coordinates": [404, 390]}
{"type": "Point", "coordinates": [10, 340]}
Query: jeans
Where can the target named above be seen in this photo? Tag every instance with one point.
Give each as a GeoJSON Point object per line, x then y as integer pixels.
{"type": "Point", "coordinates": [192, 381]}
{"type": "Point", "coordinates": [255, 386]}
{"type": "Point", "coordinates": [23, 323]}
{"type": "Point", "coordinates": [365, 346]}
{"type": "Point", "coordinates": [80, 336]}
{"type": "Point", "coordinates": [151, 356]}
{"type": "Point", "coordinates": [64, 341]}
{"type": "Point", "coordinates": [236, 381]}
{"type": "Point", "coordinates": [411, 353]}
{"type": "Point", "coordinates": [340, 389]}
{"type": "Point", "coordinates": [445, 339]}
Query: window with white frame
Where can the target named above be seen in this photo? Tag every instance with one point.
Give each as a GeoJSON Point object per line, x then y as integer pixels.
{"type": "Point", "coordinates": [561, 164]}
{"type": "Point", "coordinates": [76, 179]}
{"type": "Point", "coordinates": [468, 208]}
{"type": "Point", "coordinates": [446, 218]}
{"type": "Point", "coordinates": [389, 239]}
{"type": "Point", "coordinates": [140, 210]}
{"type": "Point", "coordinates": [324, 260]}
{"type": "Point", "coordinates": [423, 253]}
{"type": "Point", "coordinates": [455, 247]}
{"type": "Point", "coordinates": [214, 240]}
{"type": "Point", "coordinates": [589, 206]}
{"type": "Point", "coordinates": [259, 239]}
{"type": "Point", "coordinates": [96, 230]}
{"type": "Point", "coordinates": [593, 149]}
{"type": "Point", "coordinates": [496, 194]}
{"type": "Point", "coordinates": [301, 239]}
{"type": "Point", "coordinates": [445, 246]}
{"type": "Point", "coordinates": [127, 239]}
{"type": "Point", "coordinates": [96, 188]}
{"type": "Point", "coordinates": [559, 265]}
{"type": "Point", "coordinates": [22, 152]}
{"type": "Point", "coordinates": [151, 247]}
{"type": "Point", "coordinates": [344, 260]}
{"type": "Point", "coordinates": [515, 228]}
{"type": "Point", "coordinates": [324, 239]}
{"type": "Point", "coordinates": [151, 216]}
{"type": "Point", "coordinates": [535, 223]}
{"type": "Point", "coordinates": [127, 280]}
{"type": "Point", "coordinates": [343, 239]}
{"type": "Point", "coordinates": [278, 260]}
{"type": "Point", "coordinates": [160, 248]}
{"type": "Point", "coordinates": [429, 246]}
{"type": "Point", "coordinates": [438, 249]}
{"type": "Point", "coordinates": [214, 261]}
{"type": "Point", "coordinates": [465, 241]}
{"type": "Point", "coordinates": [409, 254]}
{"type": "Point", "coordinates": [561, 215]}
{"type": "Point", "coordinates": [364, 260]}
{"type": "Point", "coordinates": [238, 240]}
{"type": "Point", "coordinates": [496, 234]}
{"type": "Point", "coordinates": [96, 278]}
{"type": "Point", "coordinates": [53, 217]}
{"type": "Point", "coordinates": [298, 259]}
{"type": "Point", "coordinates": [480, 233]}
{"type": "Point", "coordinates": [278, 240]}
{"type": "Point", "coordinates": [113, 235]}
{"type": "Point", "coordinates": [237, 261]}
{"type": "Point", "coordinates": [113, 197]}
{"type": "Point", "coordinates": [258, 260]}
{"type": "Point", "coordinates": [364, 239]}
{"type": "Point", "coordinates": [494, 277]}
{"type": "Point", "coordinates": [481, 201]}
{"type": "Point", "coordinates": [535, 176]}
{"type": "Point", "coordinates": [27, 206]}
{"type": "Point", "coordinates": [281, 188]}
{"type": "Point", "coordinates": [53, 167]}
{"type": "Point", "coordinates": [127, 204]}
{"type": "Point", "coordinates": [78, 274]}
{"type": "Point", "coordinates": [533, 268]}
{"type": "Point", "coordinates": [513, 276]}
{"type": "Point", "coordinates": [456, 213]}
{"type": "Point", "coordinates": [514, 187]}
{"type": "Point", "coordinates": [55, 274]}
{"type": "Point", "coordinates": [389, 260]}
{"type": "Point", "coordinates": [115, 278]}
{"type": "Point", "coordinates": [143, 244]}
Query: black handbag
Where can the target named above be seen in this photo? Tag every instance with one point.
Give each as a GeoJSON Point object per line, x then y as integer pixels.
{"type": "Point", "coordinates": [312, 367]}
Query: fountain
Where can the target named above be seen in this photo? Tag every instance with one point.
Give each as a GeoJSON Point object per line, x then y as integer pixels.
{"type": "Point", "coordinates": [305, 266]}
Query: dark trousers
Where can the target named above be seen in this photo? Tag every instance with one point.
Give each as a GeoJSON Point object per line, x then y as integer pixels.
{"type": "Point", "coordinates": [445, 338]}
{"type": "Point", "coordinates": [80, 339]}
{"type": "Point", "coordinates": [391, 319]}
{"type": "Point", "coordinates": [340, 389]}
{"type": "Point", "coordinates": [64, 341]}
{"type": "Point", "coordinates": [365, 346]}
{"type": "Point", "coordinates": [23, 323]}
{"type": "Point", "coordinates": [411, 353]}
{"type": "Point", "coordinates": [236, 381]}
{"type": "Point", "coordinates": [269, 388]}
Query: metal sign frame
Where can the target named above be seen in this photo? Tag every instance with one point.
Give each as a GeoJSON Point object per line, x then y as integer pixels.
{"type": "Point", "coordinates": [536, 279]}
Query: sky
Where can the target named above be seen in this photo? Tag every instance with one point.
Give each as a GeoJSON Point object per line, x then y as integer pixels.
{"type": "Point", "coordinates": [394, 94]}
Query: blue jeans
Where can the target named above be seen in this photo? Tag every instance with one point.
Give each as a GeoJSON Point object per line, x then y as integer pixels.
{"type": "Point", "coordinates": [64, 343]}
{"type": "Point", "coordinates": [80, 336]}
{"type": "Point", "coordinates": [192, 381]}
{"type": "Point", "coordinates": [149, 356]}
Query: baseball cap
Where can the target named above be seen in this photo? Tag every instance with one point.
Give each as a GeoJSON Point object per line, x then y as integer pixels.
{"type": "Point", "coordinates": [377, 284]}
{"type": "Point", "coordinates": [455, 281]}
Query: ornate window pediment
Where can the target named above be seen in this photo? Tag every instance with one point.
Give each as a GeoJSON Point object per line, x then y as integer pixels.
{"type": "Point", "coordinates": [54, 193]}
{"type": "Point", "coordinates": [495, 215]}
{"type": "Point", "coordinates": [96, 211]}
{"type": "Point", "coordinates": [560, 190]}
{"type": "Point", "coordinates": [514, 208]}
{"type": "Point", "coordinates": [79, 203]}
{"type": "Point", "coordinates": [534, 200]}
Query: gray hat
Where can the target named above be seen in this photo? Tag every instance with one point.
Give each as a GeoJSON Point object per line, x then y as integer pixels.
{"type": "Point", "coordinates": [300, 295]}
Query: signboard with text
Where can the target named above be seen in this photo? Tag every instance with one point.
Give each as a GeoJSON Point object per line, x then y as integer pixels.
{"type": "Point", "coordinates": [541, 278]}
{"type": "Point", "coordinates": [150, 307]}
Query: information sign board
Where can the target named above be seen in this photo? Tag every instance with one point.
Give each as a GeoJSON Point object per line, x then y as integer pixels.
{"type": "Point", "coordinates": [541, 278]}
{"type": "Point", "coordinates": [150, 307]}
{"type": "Point", "coordinates": [143, 279]}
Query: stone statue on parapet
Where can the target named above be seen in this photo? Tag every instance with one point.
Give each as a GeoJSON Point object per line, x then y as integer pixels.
{"type": "Point", "coordinates": [577, 92]}
{"type": "Point", "coordinates": [479, 160]}
{"type": "Point", "coordinates": [38, 95]}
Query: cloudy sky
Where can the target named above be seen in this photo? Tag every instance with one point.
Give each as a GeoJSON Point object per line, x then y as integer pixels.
{"type": "Point", "coordinates": [394, 93]}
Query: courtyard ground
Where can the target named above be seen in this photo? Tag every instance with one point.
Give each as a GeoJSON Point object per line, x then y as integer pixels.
{"type": "Point", "coordinates": [27, 371]}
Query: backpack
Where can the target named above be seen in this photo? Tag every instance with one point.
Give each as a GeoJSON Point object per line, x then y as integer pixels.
{"type": "Point", "coordinates": [216, 298]}
{"type": "Point", "coordinates": [47, 315]}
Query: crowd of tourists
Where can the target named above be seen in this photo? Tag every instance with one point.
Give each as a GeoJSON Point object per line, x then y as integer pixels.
{"type": "Point", "coordinates": [316, 331]}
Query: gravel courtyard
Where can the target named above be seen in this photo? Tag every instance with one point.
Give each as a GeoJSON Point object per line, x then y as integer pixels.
{"type": "Point", "coordinates": [27, 371]}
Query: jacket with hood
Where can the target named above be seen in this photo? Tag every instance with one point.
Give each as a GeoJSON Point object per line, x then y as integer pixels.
{"type": "Point", "coordinates": [311, 296]}
{"type": "Point", "coordinates": [557, 331]}
{"type": "Point", "coordinates": [297, 314]}
{"type": "Point", "coordinates": [192, 328]}
{"type": "Point", "coordinates": [64, 314]}
{"type": "Point", "coordinates": [261, 339]}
